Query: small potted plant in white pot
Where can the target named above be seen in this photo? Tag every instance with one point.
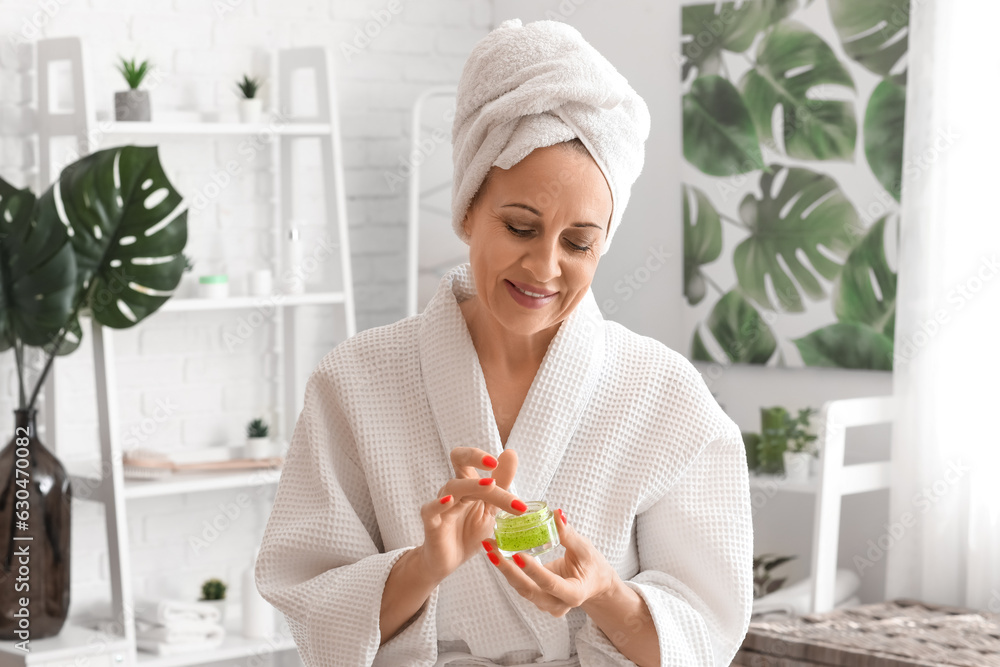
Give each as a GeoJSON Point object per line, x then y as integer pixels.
{"type": "Point", "coordinates": [133, 104]}
{"type": "Point", "coordinates": [213, 591]}
{"type": "Point", "coordinates": [258, 444]}
{"type": "Point", "coordinates": [798, 455]}
{"type": "Point", "coordinates": [250, 105]}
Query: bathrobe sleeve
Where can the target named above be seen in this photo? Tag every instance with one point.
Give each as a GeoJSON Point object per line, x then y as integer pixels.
{"type": "Point", "coordinates": [695, 547]}
{"type": "Point", "coordinates": [321, 562]}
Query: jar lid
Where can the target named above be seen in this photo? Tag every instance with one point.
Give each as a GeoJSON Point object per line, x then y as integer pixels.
{"type": "Point", "coordinates": [219, 278]}
{"type": "Point", "coordinates": [537, 513]}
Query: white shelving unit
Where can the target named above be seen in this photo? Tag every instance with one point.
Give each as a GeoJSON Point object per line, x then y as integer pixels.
{"type": "Point", "coordinates": [111, 490]}
{"type": "Point", "coordinates": [834, 481]}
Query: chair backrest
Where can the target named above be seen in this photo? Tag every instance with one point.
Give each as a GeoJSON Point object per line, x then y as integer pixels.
{"type": "Point", "coordinates": [837, 480]}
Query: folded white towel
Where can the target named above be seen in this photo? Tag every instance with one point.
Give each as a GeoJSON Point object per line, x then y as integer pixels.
{"type": "Point", "coordinates": [166, 611]}
{"type": "Point", "coordinates": [178, 632]}
{"type": "Point", "coordinates": [794, 600]}
{"type": "Point", "coordinates": [528, 86]}
{"type": "Point", "coordinates": [161, 648]}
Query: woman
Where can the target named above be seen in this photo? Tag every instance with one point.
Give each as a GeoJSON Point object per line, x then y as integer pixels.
{"type": "Point", "coordinates": [511, 387]}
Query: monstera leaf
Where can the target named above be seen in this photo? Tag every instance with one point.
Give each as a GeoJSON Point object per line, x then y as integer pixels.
{"type": "Point", "coordinates": [707, 30]}
{"type": "Point", "coordinates": [809, 210]}
{"type": "Point", "coordinates": [37, 271]}
{"type": "Point", "coordinates": [702, 241]}
{"type": "Point", "coordinates": [127, 227]}
{"type": "Point", "coordinates": [719, 135]}
{"type": "Point", "coordinates": [884, 135]}
{"type": "Point", "coordinates": [872, 32]}
{"type": "Point", "coordinates": [739, 330]}
{"type": "Point", "coordinates": [846, 345]}
{"type": "Point", "coordinates": [791, 62]}
{"type": "Point", "coordinates": [854, 297]}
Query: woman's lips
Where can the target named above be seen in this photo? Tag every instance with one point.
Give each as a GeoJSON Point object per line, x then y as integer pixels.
{"type": "Point", "coordinates": [529, 301]}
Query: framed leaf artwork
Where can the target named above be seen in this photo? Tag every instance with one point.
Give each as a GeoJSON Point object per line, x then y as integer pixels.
{"type": "Point", "coordinates": [792, 114]}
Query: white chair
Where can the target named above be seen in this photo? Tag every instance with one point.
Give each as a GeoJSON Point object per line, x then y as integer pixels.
{"type": "Point", "coordinates": [837, 480]}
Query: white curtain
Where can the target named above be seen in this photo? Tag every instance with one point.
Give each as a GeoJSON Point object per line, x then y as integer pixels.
{"type": "Point", "coordinates": [944, 535]}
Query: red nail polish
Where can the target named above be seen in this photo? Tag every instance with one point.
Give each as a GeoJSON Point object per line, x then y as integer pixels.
{"type": "Point", "coordinates": [489, 461]}
{"type": "Point", "coordinates": [485, 481]}
{"type": "Point", "coordinates": [518, 505]}
{"type": "Point", "coordinates": [562, 516]}
{"type": "Point", "coordinates": [519, 560]}
{"type": "Point", "coordinates": [493, 558]}
{"type": "Point", "coordinates": [445, 500]}
{"type": "Point", "coordinates": [487, 546]}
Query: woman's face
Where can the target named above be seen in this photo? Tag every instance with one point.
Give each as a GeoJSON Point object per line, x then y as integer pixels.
{"type": "Point", "coordinates": [538, 225]}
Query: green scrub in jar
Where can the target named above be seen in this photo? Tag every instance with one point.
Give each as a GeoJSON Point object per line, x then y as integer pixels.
{"type": "Point", "coordinates": [534, 532]}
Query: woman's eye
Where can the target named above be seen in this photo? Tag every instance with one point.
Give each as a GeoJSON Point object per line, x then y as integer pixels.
{"type": "Point", "coordinates": [526, 232]}
{"type": "Point", "coordinates": [519, 232]}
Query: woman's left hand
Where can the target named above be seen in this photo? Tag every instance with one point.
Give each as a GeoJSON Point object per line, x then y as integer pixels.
{"type": "Point", "coordinates": [582, 574]}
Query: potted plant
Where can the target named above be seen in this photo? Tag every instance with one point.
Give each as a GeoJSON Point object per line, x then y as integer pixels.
{"type": "Point", "coordinates": [762, 581]}
{"type": "Point", "coordinates": [798, 454]}
{"type": "Point", "coordinates": [250, 104]}
{"type": "Point", "coordinates": [61, 260]}
{"type": "Point", "coordinates": [258, 444]}
{"type": "Point", "coordinates": [773, 440]}
{"type": "Point", "coordinates": [133, 104]}
{"type": "Point", "coordinates": [213, 591]}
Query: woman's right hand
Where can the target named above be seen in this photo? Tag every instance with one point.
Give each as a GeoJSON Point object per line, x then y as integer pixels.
{"type": "Point", "coordinates": [455, 529]}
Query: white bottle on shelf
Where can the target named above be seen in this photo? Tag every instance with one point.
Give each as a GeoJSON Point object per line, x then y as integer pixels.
{"type": "Point", "coordinates": [258, 614]}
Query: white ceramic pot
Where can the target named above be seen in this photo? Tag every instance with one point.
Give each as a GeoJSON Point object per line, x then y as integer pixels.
{"type": "Point", "coordinates": [797, 466]}
{"type": "Point", "coordinates": [250, 110]}
{"type": "Point", "coordinates": [220, 605]}
{"type": "Point", "coordinates": [259, 448]}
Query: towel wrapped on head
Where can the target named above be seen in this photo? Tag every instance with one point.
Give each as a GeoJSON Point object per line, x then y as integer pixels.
{"type": "Point", "coordinates": [529, 86]}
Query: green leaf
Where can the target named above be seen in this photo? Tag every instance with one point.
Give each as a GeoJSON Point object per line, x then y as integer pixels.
{"type": "Point", "coordinates": [739, 330]}
{"type": "Point", "coordinates": [854, 297]}
{"type": "Point", "coordinates": [128, 230]}
{"type": "Point", "coordinates": [808, 211]}
{"type": "Point", "coordinates": [846, 345]}
{"type": "Point", "coordinates": [884, 135]}
{"type": "Point", "coordinates": [37, 271]}
{"type": "Point", "coordinates": [702, 241]}
{"type": "Point", "coordinates": [872, 32]}
{"type": "Point", "coordinates": [719, 135]}
{"type": "Point", "coordinates": [793, 62]}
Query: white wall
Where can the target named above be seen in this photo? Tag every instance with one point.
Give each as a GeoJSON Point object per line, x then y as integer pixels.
{"type": "Point", "coordinates": [180, 360]}
{"type": "Point", "coordinates": [641, 38]}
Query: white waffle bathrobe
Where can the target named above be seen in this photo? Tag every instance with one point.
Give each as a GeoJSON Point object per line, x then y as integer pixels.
{"type": "Point", "coordinates": [617, 429]}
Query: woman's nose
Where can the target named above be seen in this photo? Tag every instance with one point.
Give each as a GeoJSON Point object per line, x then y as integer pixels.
{"type": "Point", "coordinates": [542, 260]}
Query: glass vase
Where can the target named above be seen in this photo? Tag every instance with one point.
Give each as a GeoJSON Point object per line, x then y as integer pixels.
{"type": "Point", "coordinates": [35, 506]}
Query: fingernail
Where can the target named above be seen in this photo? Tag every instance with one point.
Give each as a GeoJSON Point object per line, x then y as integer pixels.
{"type": "Point", "coordinates": [562, 516]}
{"type": "Point", "coordinates": [489, 461]}
{"type": "Point", "coordinates": [485, 481]}
{"type": "Point", "coordinates": [493, 558]}
{"type": "Point", "coordinates": [445, 500]}
{"type": "Point", "coordinates": [519, 560]}
{"type": "Point", "coordinates": [518, 505]}
{"type": "Point", "coordinates": [487, 546]}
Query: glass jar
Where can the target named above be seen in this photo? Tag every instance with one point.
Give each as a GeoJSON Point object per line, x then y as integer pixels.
{"type": "Point", "coordinates": [534, 532]}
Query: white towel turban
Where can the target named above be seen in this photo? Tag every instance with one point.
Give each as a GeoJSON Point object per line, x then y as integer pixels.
{"type": "Point", "coordinates": [529, 86]}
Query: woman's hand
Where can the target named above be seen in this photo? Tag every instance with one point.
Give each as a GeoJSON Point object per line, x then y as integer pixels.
{"type": "Point", "coordinates": [462, 516]}
{"type": "Point", "coordinates": [581, 575]}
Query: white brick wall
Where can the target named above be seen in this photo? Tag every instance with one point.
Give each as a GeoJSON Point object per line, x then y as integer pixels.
{"type": "Point", "coordinates": [181, 360]}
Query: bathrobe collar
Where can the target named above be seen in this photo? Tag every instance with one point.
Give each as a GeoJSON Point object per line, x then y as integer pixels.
{"type": "Point", "coordinates": [553, 406]}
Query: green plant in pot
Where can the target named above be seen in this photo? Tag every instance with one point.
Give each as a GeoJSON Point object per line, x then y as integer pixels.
{"type": "Point", "coordinates": [103, 241]}
{"type": "Point", "coordinates": [258, 444]}
{"type": "Point", "coordinates": [773, 440]}
{"type": "Point", "coordinates": [798, 454]}
{"type": "Point", "coordinates": [133, 104]}
{"type": "Point", "coordinates": [250, 105]}
{"type": "Point", "coordinates": [214, 592]}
